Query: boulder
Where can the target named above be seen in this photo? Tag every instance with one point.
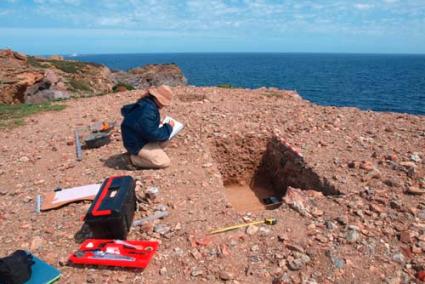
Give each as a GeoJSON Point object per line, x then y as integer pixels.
{"type": "Point", "coordinates": [152, 75]}
{"type": "Point", "coordinates": [7, 53]}
{"type": "Point", "coordinates": [51, 87]}
{"type": "Point", "coordinates": [35, 88]}
{"type": "Point", "coordinates": [46, 95]}
{"type": "Point", "coordinates": [56, 81]}
{"type": "Point", "coordinates": [20, 56]}
{"type": "Point", "coordinates": [101, 78]}
{"type": "Point", "coordinates": [52, 77]}
{"type": "Point", "coordinates": [120, 88]}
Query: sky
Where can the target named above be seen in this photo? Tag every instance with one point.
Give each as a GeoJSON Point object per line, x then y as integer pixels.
{"type": "Point", "coordinates": [44, 27]}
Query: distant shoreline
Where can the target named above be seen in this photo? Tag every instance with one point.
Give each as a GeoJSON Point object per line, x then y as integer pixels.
{"type": "Point", "coordinates": [247, 52]}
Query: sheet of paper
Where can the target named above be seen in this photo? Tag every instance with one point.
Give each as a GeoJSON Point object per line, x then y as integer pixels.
{"type": "Point", "coordinates": [178, 126]}
{"type": "Point", "coordinates": [76, 193]}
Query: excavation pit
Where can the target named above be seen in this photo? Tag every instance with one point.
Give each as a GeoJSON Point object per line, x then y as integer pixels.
{"type": "Point", "coordinates": [254, 168]}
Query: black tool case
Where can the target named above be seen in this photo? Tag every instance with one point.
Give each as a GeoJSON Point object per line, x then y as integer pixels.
{"type": "Point", "coordinates": [111, 214]}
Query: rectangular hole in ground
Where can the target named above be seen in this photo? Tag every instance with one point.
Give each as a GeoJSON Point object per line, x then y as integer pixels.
{"type": "Point", "coordinates": [254, 168]}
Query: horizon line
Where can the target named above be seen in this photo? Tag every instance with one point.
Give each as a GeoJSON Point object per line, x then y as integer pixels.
{"type": "Point", "coordinates": [231, 52]}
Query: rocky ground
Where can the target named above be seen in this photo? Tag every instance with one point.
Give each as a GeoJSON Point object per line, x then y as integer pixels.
{"type": "Point", "coordinates": [368, 227]}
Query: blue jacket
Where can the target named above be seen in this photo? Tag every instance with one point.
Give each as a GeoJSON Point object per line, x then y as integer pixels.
{"type": "Point", "coordinates": [141, 125]}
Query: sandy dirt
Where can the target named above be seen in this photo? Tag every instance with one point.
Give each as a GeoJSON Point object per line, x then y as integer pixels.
{"type": "Point", "coordinates": [367, 227]}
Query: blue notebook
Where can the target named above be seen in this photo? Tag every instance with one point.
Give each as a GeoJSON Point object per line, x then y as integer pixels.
{"type": "Point", "coordinates": [43, 273]}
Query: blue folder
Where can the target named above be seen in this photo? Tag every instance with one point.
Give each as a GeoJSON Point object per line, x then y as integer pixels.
{"type": "Point", "coordinates": [43, 273]}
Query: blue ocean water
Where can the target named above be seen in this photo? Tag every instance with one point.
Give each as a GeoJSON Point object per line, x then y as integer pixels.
{"type": "Point", "coordinates": [393, 83]}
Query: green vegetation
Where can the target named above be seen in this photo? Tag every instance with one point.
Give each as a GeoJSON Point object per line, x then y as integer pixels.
{"type": "Point", "coordinates": [35, 63]}
{"type": "Point", "coordinates": [225, 86]}
{"type": "Point", "coordinates": [273, 95]}
{"type": "Point", "coordinates": [12, 115]}
{"type": "Point", "coordinates": [121, 85]}
{"type": "Point", "coordinates": [68, 66]}
{"type": "Point", "coordinates": [79, 85]}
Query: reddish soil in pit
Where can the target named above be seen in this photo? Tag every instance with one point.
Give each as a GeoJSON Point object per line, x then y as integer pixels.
{"type": "Point", "coordinates": [244, 197]}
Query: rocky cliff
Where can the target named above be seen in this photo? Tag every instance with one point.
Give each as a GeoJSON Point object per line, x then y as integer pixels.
{"type": "Point", "coordinates": [152, 75]}
{"type": "Point", "coordinates": [28, 79]}
{"type": "Point", "coordinates": [34, 80]}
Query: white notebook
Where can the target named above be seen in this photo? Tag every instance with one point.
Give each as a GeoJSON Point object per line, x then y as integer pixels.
{"type": "Point", "coordinates": [178, 126]}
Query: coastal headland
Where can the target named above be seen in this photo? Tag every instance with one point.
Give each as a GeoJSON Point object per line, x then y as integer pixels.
{"type": "Point", "coordinates": [352, 184]}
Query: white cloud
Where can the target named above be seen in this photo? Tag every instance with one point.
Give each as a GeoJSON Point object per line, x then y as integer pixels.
{"type": "Point", "coordinates": [58, 2]}
{"type": "Point", "coordinates": [112, 21]}
{"type": "Point", "coordinates": [235, 17]}
{"type": "Point", "coordinates": [363, 6]}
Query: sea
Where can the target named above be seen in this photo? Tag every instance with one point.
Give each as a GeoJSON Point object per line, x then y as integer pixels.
{"type": "Point", "coordinates": [388, 83]}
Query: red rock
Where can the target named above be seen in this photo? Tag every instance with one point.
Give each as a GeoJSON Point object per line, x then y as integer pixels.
{"type": "Point", "coordinates": [225, 275]}
{"type": "Point", "coordinates": [392, 157]}
{"type": "Point", "coordinates": [408, 165]}
{"type": "Point", "coordinates": [317, 212]}
{"type": "Point", "coordinates": [120, 88]}
{"type": "Point", "coordinates": [405, 237]}
{"type": "Point", "coordinates": [416, 250]}
{"type": "Point", "coordinates": [421, 275]}
{"type": "Point", "coordinates": [147, 227]}
{"type": "Point", "coordinates": [201, 241]}
{"type": "Point", "coordinates": [322, 239]}
{"type": "Point", "coordinates": [406, 251]}
{"type": "Point", "coordinates": [414, 190]}
{"type": "Point", "coordinates": [296, 199]}
{"type": "Point", "coordinates": [196, 254]}
{"type": "Point", "coordinates": [311, 193]}
{"type": "Point", "coordinates": [295, 247]}
{"type": "Point", "coordinates": [377, 208]}
{"type": "Point", "coordinates": [224, 250]}
{"type": "Point", "coordinates": [282, 237]}
{"type": "Point", "coordinates": [36, 243]}
{"type": "Point", "coordinates": [366, 165]}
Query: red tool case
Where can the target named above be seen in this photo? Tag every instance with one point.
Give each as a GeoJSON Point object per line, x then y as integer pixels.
{"type": "Point", "coordinates": [111, 214]}
{"type": "Point", "coordinates": [136, 254]}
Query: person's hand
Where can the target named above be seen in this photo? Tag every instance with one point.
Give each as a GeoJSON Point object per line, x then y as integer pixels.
{"type": "Point", "coordinates": [171, 123]}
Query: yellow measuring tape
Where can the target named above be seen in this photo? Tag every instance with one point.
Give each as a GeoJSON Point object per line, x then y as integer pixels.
{"type": "Point", "coordinates": [268, 221]}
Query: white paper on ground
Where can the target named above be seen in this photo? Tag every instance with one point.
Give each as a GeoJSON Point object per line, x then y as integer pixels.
{"type": "Point", "coordinates": [76, 193]}
{"type": "Point", "coordinates": [178, 126]}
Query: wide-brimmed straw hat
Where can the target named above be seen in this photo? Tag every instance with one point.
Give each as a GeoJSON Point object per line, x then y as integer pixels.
{"type": "Point", "coordinates": [163, 94]}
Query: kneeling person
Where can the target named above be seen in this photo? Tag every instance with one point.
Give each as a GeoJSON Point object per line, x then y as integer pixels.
{"type": "Point", "coordinates": [142, 135]}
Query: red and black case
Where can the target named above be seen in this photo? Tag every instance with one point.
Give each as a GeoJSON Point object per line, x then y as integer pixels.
{"type": "Point", "coordinates": [111, 214]}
